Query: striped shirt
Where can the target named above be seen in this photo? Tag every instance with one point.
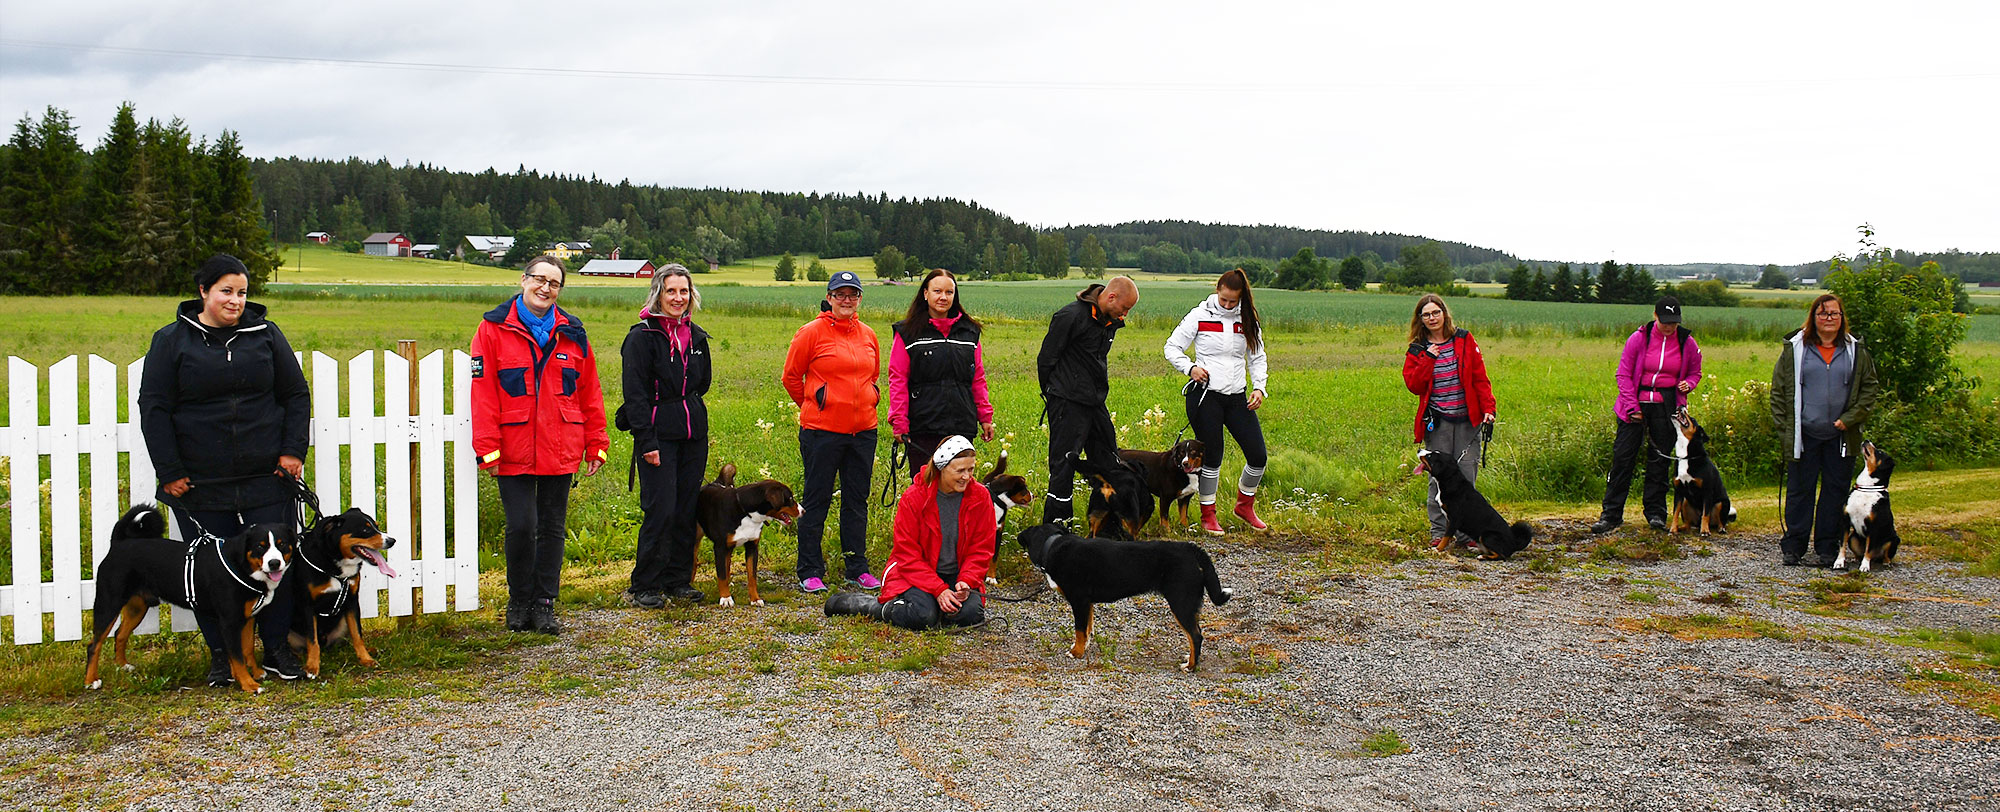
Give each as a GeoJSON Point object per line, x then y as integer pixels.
{"type": "Point", "coordinates": [1447, 391]}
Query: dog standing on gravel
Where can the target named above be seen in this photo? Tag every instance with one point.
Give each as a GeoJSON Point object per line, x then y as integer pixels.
{"type": "Point", "coordinates": [1468, 512]}
{"type": "Point", "coordinates": [733, 517]}
{"type": "Point", "coordinates": [1090, 571]}
{"type": "Point", "coordinates": [1871, 532]}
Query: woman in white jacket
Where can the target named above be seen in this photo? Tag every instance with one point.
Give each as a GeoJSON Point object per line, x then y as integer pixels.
{"type": "Point", "coordinates": [1228, 347]}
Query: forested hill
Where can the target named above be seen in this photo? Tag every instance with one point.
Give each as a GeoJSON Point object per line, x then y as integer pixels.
{"type": "Point", "coordinates": [353, 198]}
{"type": "Point", "coordinates": [1269, 242]}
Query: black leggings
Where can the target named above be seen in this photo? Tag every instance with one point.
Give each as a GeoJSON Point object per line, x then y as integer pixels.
{"type": "Point", "coordinates": [537, 508]}
{"type": "Point", "coordinates": [1211, 412]}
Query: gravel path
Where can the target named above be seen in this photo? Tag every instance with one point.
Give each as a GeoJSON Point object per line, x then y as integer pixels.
{"type": "Point", "coordinates": [1513, 686]}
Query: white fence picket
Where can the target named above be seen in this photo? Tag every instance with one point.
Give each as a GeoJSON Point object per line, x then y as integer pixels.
{"type": "Point", "coordinates": [438, 532]}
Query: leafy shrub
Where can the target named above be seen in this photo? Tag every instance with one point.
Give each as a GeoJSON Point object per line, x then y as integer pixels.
{"type": "Point", "coordinates": [1906, 317]}
{"type": "Point", "coordinates": [1705, 293]}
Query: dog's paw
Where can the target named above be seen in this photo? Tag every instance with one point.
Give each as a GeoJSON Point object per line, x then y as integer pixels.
{"type": "Point", "coordinates": [992, 581]}
{"type": "Point", "coordinates": [1864, 565]}
{"type": "Point", "coordinates": [1187, 666]}
{"type": "Point", "coordinates": [758, 602]}
{"type": "Point", "coordinates": [726, 601]}
{"type": "Point", "coordinates": [127, 667]}
{"type": "Point", "coordinates": [93, 685]}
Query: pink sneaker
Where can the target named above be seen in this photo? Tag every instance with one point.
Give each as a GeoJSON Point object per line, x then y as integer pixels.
{"type": "Point", "coordinates": [811, 585]}
{"type": "Point", "coordinates": [867, 581]}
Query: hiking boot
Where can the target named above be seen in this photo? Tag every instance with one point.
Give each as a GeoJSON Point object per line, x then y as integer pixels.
{"type": "Point", "coordinates": [1792, 559]}
{"type": "Point", "coordinates": [280, 662]}
{"type": "Point", "coordinates": [517, 617]}
{"type": "Point", "coordinates": [868, 582]}
{"type": "Point", "coordinates": [812, 585]}
{"type": "Point", "coordinates": [1605, 526]}
{"type": "Point", "coordinates": [1246, 509]}
{"type": "Point", "coordinates": [218, 669]}
{"type": "Point", "coordinates": [1657, 523]}
{"type": "Point", "coordinates": [542, 617]}
{"type": "Point", "coordinates": [688, 594]}
{"type": "Point", "coordinates": [644, 598]}
{"type": "Point", "coordinates": [853, 603]}
{"type": "Point", "coordinates": [1208, 523]}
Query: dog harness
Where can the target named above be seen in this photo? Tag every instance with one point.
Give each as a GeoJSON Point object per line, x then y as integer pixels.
{"type": "Point", "coordinates": [187, 573]}
{"type": "Point", "coordinates": [339, 586]}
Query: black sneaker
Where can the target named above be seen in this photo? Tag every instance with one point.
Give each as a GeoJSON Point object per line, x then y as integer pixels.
{"type": "Point", "coordinates": [1657, 523]}
{"type": "Point", "coordinates": [688, 594]}
{"type": "Point", "coordinates": [218, 669]}
{"type": "Point", "coordinates": [644, 599]}
{"type": "Point", "coordinates": [542, 617]}
{"type": "Point", "coordinates": [1605, 526]}
{"type": "Point", "coordinates": [517, 617]}
{"type": "Point", "coordinates": [280, 662]}
{"type": "Point", "coordinates": [1792, 559]}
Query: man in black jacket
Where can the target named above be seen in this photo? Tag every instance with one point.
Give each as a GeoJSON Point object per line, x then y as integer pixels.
{"type": "Point", "coordinates": [1074, 370]}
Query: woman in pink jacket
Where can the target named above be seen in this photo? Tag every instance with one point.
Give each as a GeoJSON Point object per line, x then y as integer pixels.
{"type": "Point", "coordinates": [1660, 367]}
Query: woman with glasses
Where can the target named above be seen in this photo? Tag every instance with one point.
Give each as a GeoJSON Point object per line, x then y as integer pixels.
{"type": "Point", "coordinates": [1822, 389]}
{"type": "Point", "coordinates": [830, 372]}
{"type": "Point", "coordinates": [667, 373]}
{"type": "Point", "coordinates": [1444, 369]}
{"type": "Point", "coordinates": [537, 415]}
{"type": "Point", "coordinates": [1660, 367]}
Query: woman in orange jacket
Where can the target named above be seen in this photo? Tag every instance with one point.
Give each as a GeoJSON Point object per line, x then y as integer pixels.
{"type": "Point", "coordinates": [537, 415]}
{"type": "Point", "coordinates": [831, 372]}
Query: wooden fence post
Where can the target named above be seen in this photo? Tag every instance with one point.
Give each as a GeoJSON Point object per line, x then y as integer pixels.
{"type": "Point", "coordinates": [407, 348]}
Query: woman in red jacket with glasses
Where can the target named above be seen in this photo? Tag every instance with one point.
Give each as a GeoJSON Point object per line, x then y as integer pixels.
{"type": "Point", "coordinates": [537, 415]}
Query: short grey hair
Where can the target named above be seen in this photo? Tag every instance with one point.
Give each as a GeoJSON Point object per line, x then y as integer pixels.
{"type": "Point", "coordinates": [660, 285]}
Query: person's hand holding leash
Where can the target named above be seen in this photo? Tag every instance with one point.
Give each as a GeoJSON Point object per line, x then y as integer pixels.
{"type": "Point", "coordinates": [1199, 374]}
{"type": "Point", "coordinates": [288, 465]}
{"type": "Point", "coordinates": [652, 458]}
{"type": "Point", "coordinates": [176, 488]}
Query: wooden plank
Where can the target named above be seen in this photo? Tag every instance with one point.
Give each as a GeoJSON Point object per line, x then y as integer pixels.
{"type": "Point", "coordinates": [101, 439]}
{"type": "Point", "coordinates": [465, 487]}
{"type": "Point", "coordinates": [325, 443]}
{"type": "Point", "coordinates": [25, 464]}
{"type": "Point", "coordinates": [396, 469]}
{"type": "Point", "coordinates": [430, 462]}
{"type": "Point", "coordinates": [361, 439]}
{"type": "Point", "coordinates": [65, 501]}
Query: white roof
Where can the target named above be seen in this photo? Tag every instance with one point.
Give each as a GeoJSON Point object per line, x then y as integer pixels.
{"type": "Point", "coordinates": [423, 247]}
{"type": "Point", "coordinates": [619, 267]}
{"type": "Point", "coordinates": [489, 244]}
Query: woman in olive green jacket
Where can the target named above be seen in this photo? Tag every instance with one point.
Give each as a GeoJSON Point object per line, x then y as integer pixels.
{"type": "Point", "coordinates": [1822, 390]}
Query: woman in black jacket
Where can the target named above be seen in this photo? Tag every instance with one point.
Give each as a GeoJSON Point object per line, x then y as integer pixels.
{"type": "Point", "coordinates": [666, 375]}
{"type": "Point", "coordinates": [224, 407]}
{"type": "Point", "coordinates": [937, 375]}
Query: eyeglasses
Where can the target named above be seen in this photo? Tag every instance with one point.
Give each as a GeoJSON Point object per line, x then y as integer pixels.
{"type": "Point", "coordinates": [1828, 315]}
{"type": "Point", "coordinates": [544, 281]}
{"type": "Point", "coordinates": [846, 295]}
{"type": "Point", "coordinates": [1433, 314]}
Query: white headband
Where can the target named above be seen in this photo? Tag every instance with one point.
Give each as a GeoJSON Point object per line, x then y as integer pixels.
{"type": "Point", "coordinates": [949, 449]}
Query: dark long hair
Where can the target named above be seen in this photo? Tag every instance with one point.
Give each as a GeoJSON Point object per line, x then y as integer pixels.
{"type": "Point", "coordinates": [1812, 314]}
{"type": "Point", "coordinates": [920, 310]}
{"type": "Point", "coordinates": [1238, 281]}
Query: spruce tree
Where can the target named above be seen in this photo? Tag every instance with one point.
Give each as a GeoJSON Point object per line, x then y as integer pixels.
{"type": "Point", "coordinates": [112, 182]}
{"type": "Point", "coordinates": [232, 215]}
{"type": "Point", "coordinates": [42, 212]}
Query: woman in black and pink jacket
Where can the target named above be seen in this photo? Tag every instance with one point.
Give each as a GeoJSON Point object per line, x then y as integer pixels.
{"type": "Point", "coordinates": [667, 373]}
{"type": "Point", "coordinates": [1660, 366]}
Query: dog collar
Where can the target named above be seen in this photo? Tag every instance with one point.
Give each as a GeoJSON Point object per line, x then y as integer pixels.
{"type": "Point", "coordinates": [1881, 489]}
{"type": "Point", "coordinates": [339, 601]}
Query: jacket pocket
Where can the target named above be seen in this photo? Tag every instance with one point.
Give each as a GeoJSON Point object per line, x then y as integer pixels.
{"type": "Point", "coordinates": [569, 376]}
{"type": "Point", "coordinates": [516, 414]}
{"type": "Point", "coordinates": [514, 381]}
{"type": "Point", "coordinates": [819, 397]}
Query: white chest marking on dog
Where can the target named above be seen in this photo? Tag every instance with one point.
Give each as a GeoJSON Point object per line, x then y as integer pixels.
{"type": "Point", "coordinates": [1194, 484]}
{"type": "Point", "coordinates": [1681, 451]}
{"type": "Point", "coordinates": [349, 567]}
{"type": "Point", "coordinates": [1004, 504]}
{"type": "Point", "coordinates": [749, 529]}
{"type": "Point", "coordinates": [1861, 503]}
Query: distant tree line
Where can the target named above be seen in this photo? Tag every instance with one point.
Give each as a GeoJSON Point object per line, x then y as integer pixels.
{"type": "Point", "coordinates": [136, 215]}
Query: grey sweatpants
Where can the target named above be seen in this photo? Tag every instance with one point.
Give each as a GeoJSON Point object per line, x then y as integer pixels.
{"type": "Point", "coordinates": [1461, 441]}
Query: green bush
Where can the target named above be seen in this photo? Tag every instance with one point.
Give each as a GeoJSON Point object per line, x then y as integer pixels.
{"type": "Point", "coordinates": [1705, 293]}
{"type": "Point", "coordinates": [1906, 317]}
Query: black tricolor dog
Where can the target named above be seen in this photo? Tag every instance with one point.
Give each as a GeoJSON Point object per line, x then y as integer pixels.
{"type": "Point", "coordinates": [327, 606]}
{"type": "Point", "coordinates": [1007, 491]}
{"type": "Point", "coordinates": [1119, 502]}
{"type": "Point", "coordinates": [1091, 571]}
{"type": "Point", "coordinates": [1468, 512]}
{"type": "Point", "coordinates": [734, 517]}
{"type": "Point", "coordinates": [1699, 497]}
{"type": "Point", "coordinates": [229, 580]}
{"type": "Point", "coordinates": [1172, 475]}
{"type": "Point", "coordinates": [1871, 528]}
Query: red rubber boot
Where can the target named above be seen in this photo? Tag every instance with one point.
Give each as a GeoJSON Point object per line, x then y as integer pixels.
{"type": "Point", "coordinates": [1246, 509]}
{"type": "Point", "coordinates": [1208, 523]}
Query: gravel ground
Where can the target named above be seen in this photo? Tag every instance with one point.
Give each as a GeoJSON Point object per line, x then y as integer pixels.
{"type": "Point", "coordinates": [1513, 686]}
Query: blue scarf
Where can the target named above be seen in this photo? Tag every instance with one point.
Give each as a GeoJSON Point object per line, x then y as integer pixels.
{"type": "Point", "coordinates": [538, 326]}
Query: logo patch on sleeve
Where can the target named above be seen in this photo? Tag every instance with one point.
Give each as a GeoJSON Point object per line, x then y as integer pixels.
{"type": "Point", "coordinates": [478, 366]}
{"type": "Point", "coordinates": [562, 356]}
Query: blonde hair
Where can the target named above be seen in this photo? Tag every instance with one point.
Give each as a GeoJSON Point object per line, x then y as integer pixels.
{"type": "Point", "coordinates": [660, 286]}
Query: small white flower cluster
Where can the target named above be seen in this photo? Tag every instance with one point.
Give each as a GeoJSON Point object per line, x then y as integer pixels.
{"type": "Point", "coordinates": [1303, 500]}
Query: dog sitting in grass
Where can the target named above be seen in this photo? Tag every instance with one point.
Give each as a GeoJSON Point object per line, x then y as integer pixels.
{"type": "Point", "coordinates": [1466, 511]}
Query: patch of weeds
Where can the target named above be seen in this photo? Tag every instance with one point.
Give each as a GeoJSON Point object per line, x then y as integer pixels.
{"type": "Point", "coordinates": [1839, 592]}
{"type": "Point", "coordinates": [1260, 660]}
{"type": "Point", "coordinates": [859, 646]}
{"type": "Point", "coordinates": [1704, 626]}
{"type": "Point", "coordinates": [1967, 646]}
{"type": "Point", "coordinates": [1639, 547]}
{"type": "Point", "coordinates": [1383, 743]}
{"type": "Point", "coordinates": [1960, 686]}
{"type": "Point", "coordinates": [1548, 563]}
{"type": "Point", "coordinates": [794, 625]}
{"type": "Point", "coordinates": [1720, 597]}
{"type": "Point", "coordinates": [1641, 596]}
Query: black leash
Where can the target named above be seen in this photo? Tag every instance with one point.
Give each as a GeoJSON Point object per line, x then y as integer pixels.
{"type": "Point", "coordinates": [1040, 587]}
{"type": "Point", "coordinates": [895, 465]}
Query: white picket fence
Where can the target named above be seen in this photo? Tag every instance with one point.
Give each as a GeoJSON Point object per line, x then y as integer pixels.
{"type": "Point", "coordinates": [420, 556]}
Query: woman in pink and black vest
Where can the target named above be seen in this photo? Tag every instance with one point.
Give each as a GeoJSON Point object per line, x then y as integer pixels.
{"type": "Point", "coordinates": [1660, 367]}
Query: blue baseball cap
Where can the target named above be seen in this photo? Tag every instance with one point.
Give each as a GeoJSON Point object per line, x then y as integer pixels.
{"type": "Point", "coordinates": [843, 279]}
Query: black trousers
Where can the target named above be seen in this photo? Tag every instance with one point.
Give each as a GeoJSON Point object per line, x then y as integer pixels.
{"type": "Point", "coordinates": [537, 509]}
{"type": "Point", "coordinates": [1651, 435]}
{"type": "Point", "coordinates": [1074, 427]}
{"type": "Point", "coordinates": [920, 447]}
{"type": "Point", "coordinates": [274, 622]}
{"type": "Point", "coordinates": [918, 610]}
{"type": "Point", "coordinates": [1211, 412]}
{"type": "Point", "coordinates": [667, 535]}
{"type": "Point", "coordinates": [851, 458]}
{"type": "Point", "coordinates": [1820, 464]}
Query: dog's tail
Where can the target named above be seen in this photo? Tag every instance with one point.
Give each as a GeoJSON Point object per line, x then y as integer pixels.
{"type": "Point", "coordinates": [1523, 533]}
{"type": "Point", "coordinates": [1216, 592]}
{"type": "Point", "coordinates": [143, 521]}
{"type": "Point", "coordinates": [727, 476]}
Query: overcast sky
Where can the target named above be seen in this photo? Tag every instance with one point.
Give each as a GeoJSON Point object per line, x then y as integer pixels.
{"type": "Point", "coordinates": [1649, 133]}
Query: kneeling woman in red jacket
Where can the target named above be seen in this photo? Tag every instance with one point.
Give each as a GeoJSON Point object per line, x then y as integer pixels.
{"type": "Point", "coordinates": [943, 546]}
{"type": "Point", "coordinates": [537, 415]}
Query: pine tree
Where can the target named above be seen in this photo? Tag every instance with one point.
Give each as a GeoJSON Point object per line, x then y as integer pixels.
{"type": "Point", "coordinates": [112, 183]}
{"type": "Point", "coordinates": [1610, 283]}
{"type": "Point", "coordinates": [1520, 285]}
{"type": "Point", "coordinates": [787, 269]}
{"type": "Point", "coordinates": [1090, 256]}
{"type": "Point", "coordinates": [42, 212]}
{"type": "Point", "coordinates": [171, 175]}
{"type": "Point", "coordinates": [816, 272]}
{"type": "Point", "coordinates": [1052, 256]}
{"type": "Point", "coordinates": [233, 220]}
{"type": "Point", "coordinates": [1562, 288]}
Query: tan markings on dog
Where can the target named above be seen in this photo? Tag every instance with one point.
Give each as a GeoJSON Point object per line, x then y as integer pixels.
{"type": "Point", "coordinates": [1188, 664]}
{"type": "Point", "coordinates": [1083, 634]}
{"type": "Point", "coordinates": [354, 636]}
{"type": "Point", "coordinates": [129, 616]}
{"type": "Point", "coordinates": [239, 665]}
{"type": "Point", "coordinates": [750, 561]}
{"type": "Point", "coordinates": [722, 557]}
